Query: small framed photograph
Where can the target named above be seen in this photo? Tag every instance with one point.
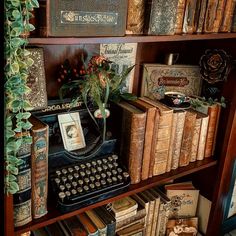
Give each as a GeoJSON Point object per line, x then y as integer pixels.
{"type": "Point", "coordinates": [71, 131]}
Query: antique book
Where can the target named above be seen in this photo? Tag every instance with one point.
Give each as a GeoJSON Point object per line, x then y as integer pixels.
{"type": "Point", "coordinates": [123, 206]}
{"type": "Point", "coordinates": [135, 17]}
{"type": "Point", "coordinates": [149, 139]}
{"type": "Point", "coordinates": [187, 138]}
{"type": "Point", "coordinates": [201, 16]}
{"type": "Point", "coordinates": [95, 218]}
{"type": "Point", "coordinates": [132, 139]}
{"type": "Point", "coordinates": [189, 21]}
{"type": "Point", "coordinates": [134, 230]}
{"type": "Point", "coordinates": [163, 214]}
{"type": "Point", "coordinates": [180, 16]}
{"type": "Point", "coordinates": [187, 197]}
{"type": "Point", "coordinates": [156, 210]}
{"type": "Point", "coordinates": [123, 56]}
{"type": "Point", "coordinates": [36, 80]}
{"type": "Point", "coordinates": [233, 26]}
{"type": "Point", "coordinates": [187, 226]}
{"type": "Point", "coordinates": [213, 111]}
{"type": "Point", "coordinates": [88, 224]}
{"type": "Point", "coordinates": [138, 217]}
{"type": "Point", "coordinates": [227, 16]}
{"type": "Point", "coordinates": [39, 163]}
{"type": "Point", "coordinates": [163, 136]}
{"type": "Point", "coordinates": [180, 120]}
{"type": "Point", "coordinates": [79, 18]}
{"type": "Point", "coordinates": [108, 219]}
{"type": "Point", "coordinates": [72, 226]}
{"type": "Point", "coordinates": [162, 17]}
{"type": "Point", "coordinates": [185, 79]}
{"type": "Point", "coordinates": [196, 135]}
{"type": "Point", "coordinates": [54, 229]}
{"type": "Point", "coordinates": [22, 199]}
{"type": "Point", "coordinates": [213, 16]}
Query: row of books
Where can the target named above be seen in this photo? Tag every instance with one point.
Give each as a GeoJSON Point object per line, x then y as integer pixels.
{"type": "Point", "coordinates": [156, 139]}
{"type": "Point", "coordinates": [151, 212]}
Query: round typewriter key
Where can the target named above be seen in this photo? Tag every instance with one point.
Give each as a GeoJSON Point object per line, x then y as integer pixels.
{"type": "Point", "coordinates": [92, 186]}
{"type": "Point", "coordinates": [64, 179]}
{"type": "Point", "coordinates": [99, 169]}
{"type": "Point", "coordinates": [99, 162]}
{"type": "Point", "coordinates": [80, 182]}
{"type": "Point", "coordinates": [92, 178]}
{"type": "Point", "coordinates": [93, 170]}
{"type": "Point", "coordinates": [58, 173]}
{"type": "Point", "coordinates": [70, 177]}
{"type": "Point", "coordinates": [104, 167]}
{"type": "Point", "coordinates": [97, 177]}
{"type": "Point", "coordinates": [114, 179]}
{"type": "Point", "coordinates": [57, 180]}
{"type": "Point", "coordinates": [76, 168]}
{"type": "Point", "coordinates": [86, 188]}
{"type": "Point", "coordinates": [73, 191]}
{"type": "Point", "coordinates": [94, 163]}
{"type": "Point", "coordinates": [82, 174]}
{"type": "Point", "coordinates": [119, 177]}
{"type": "Point", "coordinates": [119, 170]}
{"type": "Point", "coordinates": [76, 175]}
{"type": "Point", "coordinates": [115, 157]}
{"type": "Point", "coordinates": [79, 190]}
{"type": "Point", "coordinates": [110, 165]}
{"type": "Point", "coordinates": [103, 182]}
{"type": "Point", "coordinates": [115, 164]}
{"type": "Point", "coordinates": [114, 172]}
{"type": "Point", "coordinates": [62, 187]}
{"type": "Point", "coordinates": [97, 184]}
{"type": "Point", "coordinates": [104, 160]}
{"type": "Point", "coordinates": [109, 173]}
{"type": "Point", "coordinates": [67, 193]}
{"type": "Point", "coordinates": [61, 195]}
{"type": "Point", "coordinates": [109, 180]}
{"type": "Point", "coordinates": [70, 169]}
{"type": "Point", "coordinates": [64, 171]}
{"type": "Point", "coordinates": [82, 166]}
{"type": "Point", "coordinates": [74, 184]}
{"type": "Point", "coordinates": [88, 172]}
{"type": "Point", "coordinates": [88, 165]}
{"type": "Point", "coordinates": [68, 186]}
{"type": "Point", "coordinates": [110, 158]}
{"type": "Point", "coordinates": [125, 175]}
{"type": "Point", "coordinates": [103, 175]}
{"type": "Point", "coordinates": [86, 180]}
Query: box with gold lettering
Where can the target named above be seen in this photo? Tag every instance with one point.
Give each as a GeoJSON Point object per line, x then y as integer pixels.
{"type": "Point", "coordinates": [83, 18]}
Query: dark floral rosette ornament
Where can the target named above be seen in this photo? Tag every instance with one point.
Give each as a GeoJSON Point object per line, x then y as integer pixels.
{"type": "Point", "coordinates": [215, 65]}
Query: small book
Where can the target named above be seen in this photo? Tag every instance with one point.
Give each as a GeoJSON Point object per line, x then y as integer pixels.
{"type": "Point", "coordinates": [123, 206]}
{"type": "Point", "coordinates": [185, 199]}
{"type": "Point", "coordinates": [88, 224]}
{"type": "Point", "coordinates": [201, 16]}
{"type": "Point", "coordinates": [39, 163]}
{"type": "Point", "coordinates": [134, 230]}
{"type": "Point", "coordinates": [187, 226]}
{"type": "Point", "coordinates": [180, 16]}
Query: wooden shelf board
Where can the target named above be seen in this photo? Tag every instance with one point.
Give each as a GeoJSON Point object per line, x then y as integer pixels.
{"type": "Point", "coordinates": [130, 39]}
{"type": "Point", "coordinates": [54, 215]}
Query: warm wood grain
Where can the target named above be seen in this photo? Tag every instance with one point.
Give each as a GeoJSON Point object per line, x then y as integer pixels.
{"type": "Point", "coordinates": [8, 215]}
{"type": "Point", "coordinates": [54, 215]}
{"type": "Point", "coordinates": [131, 39]}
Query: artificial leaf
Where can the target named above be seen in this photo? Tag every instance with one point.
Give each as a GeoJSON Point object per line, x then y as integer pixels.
{"type": "Point", "coordinates": [12, 169]}
{"type": "Point", "coordinates": [13, 187]}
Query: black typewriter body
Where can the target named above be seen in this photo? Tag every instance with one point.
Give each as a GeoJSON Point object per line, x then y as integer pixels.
{"type": "Point", "coordinates": [80, 178]}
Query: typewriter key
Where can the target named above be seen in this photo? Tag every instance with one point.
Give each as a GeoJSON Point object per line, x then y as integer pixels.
{"type": "Point", "coordinates": [99, 162]}
{"type": "Point", "coordinates": [109, 180]}
{"type": "Point", "coordinates": [103, 175]}
{"type": "Point", "coordinates": [74, 184]}
{"type": "Point", "coordinates": [64, 171]}
{"type": "Point", "coordinates": [86, 188]}
{"type": "Point", "coordinates": [110, 165]}
{"type": "Point", "coordinates": [115, 157]}
{"type": "Point", "coordinates": [115, 164]}
{"type": "Point", "coordinates": [61, 196]}
{"type": "Point", "coordinates": [109, 173]}
{"type": "Point", "coordinates": [93, 170]}
{"type": "Point", "coordinates": [64, 179]}
{"type": "Point", "coordinates": [76, 175]}
{"type": "Point", "coordinates": [76, 168]}
{"type": "Point", "coordinates": [104, 167]}
{"type": "Point", "coordinates": [79, 190]}
{"type": "Point", "coordinates": [70, 177]}
{"type": "Point", "coordinates": [70, 169]}
{"type": "Point", "coordinates": [104, 160]}
{"type": "Point", "coordinates": [114, 179]}
{"type": "Point", "coordinates": [97, 177]}
{"type": "Point", "coordinates": [94, 163]}
{"type": "Point", "coordinates": [103, 182]}
{"type": "Point", "coordinates": [114, 172]}
{"type": "Point", "coordinates": [125, 175]}
{"type": "Point", "coordinates": [88, 172]}
{"type": "Point", "coordinates": [110, 158]}
{"type": "Point", "coordinates": [62, 187]}
{"type": "Point", "coordinates": [67, 193]}
{"type": "Point", "coordinates": [57, 180]}
{"type": "Point", "coordinates": [82, 166]}
{"type": "Point", "coordinates": [86, 180]}
{"type": "Point", "coordinates": [58, 173]}
{"type": "Point", "coordinates": [73, 191]}
{"type": "Point", "coordinates": [119, 177]}
{"type": "Point", "coordinates": [80, 182]}
{"type": "Point", "coordinates": [88, 165]}
{"type": "Point", "coordinates": [92, 178]}
{"type": "Point", "coordinates": [68, 186]}
{"type": "Point", "coordinates": [82, 174]}
{"type": "Point", "coordinates": [119, 170]}
{"type": "Point", "coordinates": [92, 186]}
{"type": "Point", "coordinates": [99, 169]}
{"type": "Point", "coordinates": [97, 184]}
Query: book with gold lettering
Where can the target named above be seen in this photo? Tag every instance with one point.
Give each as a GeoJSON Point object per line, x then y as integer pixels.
{"type": "Point", "coordinates": [180, 16]}
{"type": "Point", "coordinates": [39, 162]}
{"type": "Point", "coordinates": [201, 16]}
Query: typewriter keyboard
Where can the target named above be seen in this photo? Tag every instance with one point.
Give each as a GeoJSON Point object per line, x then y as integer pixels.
{"type": "Point", "coordinates": [83, 183]}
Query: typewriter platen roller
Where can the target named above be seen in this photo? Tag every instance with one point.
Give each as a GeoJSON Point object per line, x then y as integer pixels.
{"type": "Point", "coordinates": [87, 182]}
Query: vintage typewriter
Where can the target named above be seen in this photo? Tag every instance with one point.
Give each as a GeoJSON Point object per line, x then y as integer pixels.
{"type": "Point", "coordinates": [87, 182]}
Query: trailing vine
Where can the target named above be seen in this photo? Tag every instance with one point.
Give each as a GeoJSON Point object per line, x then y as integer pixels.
{"type": "Point", "coordinates": [17, 109]}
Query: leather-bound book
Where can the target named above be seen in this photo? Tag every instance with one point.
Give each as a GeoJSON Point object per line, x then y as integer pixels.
{"type": "Point", "coordinates": [135, 17]}
{"type": "Point", "coordinates": [213, 17]}
{"type": "Point", "coordinates": [22, 199]}
{"type": "Point", "coordinates": [134, 230]}
{"type": "Point", "coordinates": [180, 119]}
{"type": "Point", "coordinates": [227, 16]}
{"type": "Point", "coordinates": [189, 22]}
{"type": "Point", "coordinates": [163, 136]}
{"type": "Point", "coordinates": [88, 224]}
{"type": "Point", "coordinates": [187, 138]}
{"type": "Point", "coordinates": [39, 162]}
{"type": "Point", "coordinates": [180, 16]}
{"type": "Point", "coordinates": [201, 16]}
{"type": "Point", "coordinates": [83, 18]}
{"type": "Point", "coordinates": [108, 220]}
{"type": "Point", "coordinates": [151, 120]}
{"type": "Point", "coordinates": [162, 17]}
{"type": "Point", "coordinates": [233, 26]}
{"type": "Point", "coordinates": [132, 139]}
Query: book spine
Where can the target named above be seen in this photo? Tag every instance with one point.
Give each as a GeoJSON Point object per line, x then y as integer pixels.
{"type": "Point", "coordinates": [155, 216]}
{"type": "Point", "coordinates": [22, 199]}
{"type": "Point", "coordinates": [147, 150]}
{"type": "Point", "coordinates": [39, 172]}
{"type": "Point", "coordinates": [185, 150]}
{"type": "Point", "coordinates": [216, 128]}
{"type": "Point", "coordinates": [135, 17]}
{"type": "Point", "coordinates": [212, 112]}
{"type": "Point", "coordinates": [180, 16]}
{"type": "Point", "coordinates": [195, 141]}
{"type": "Point", "coordinates": [233, 26]}
{"type": "Point", "coordinates": [201, 17]}
{"type": "Point", "coordinates": [42, 18]}
{"type": "Point", "coordinates": [178, 139]}
{"type": "Point", "coordinates": [202, 138]}
{"type": "Point", "coordinates": [172, 140]}
{"type": "Point", "coordinates": [149, 218]}
{"type": "Point", "coordinates": [162, 144]}
{"type": "Point", "coordinates": [227, 16]}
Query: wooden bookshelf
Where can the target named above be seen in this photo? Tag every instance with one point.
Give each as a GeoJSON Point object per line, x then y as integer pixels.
{"type": "Point", "coordinates": [54, 215]}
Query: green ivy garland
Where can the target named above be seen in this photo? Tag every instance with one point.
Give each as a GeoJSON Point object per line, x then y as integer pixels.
{"type": "Point", "coordinates": [16, 29]}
